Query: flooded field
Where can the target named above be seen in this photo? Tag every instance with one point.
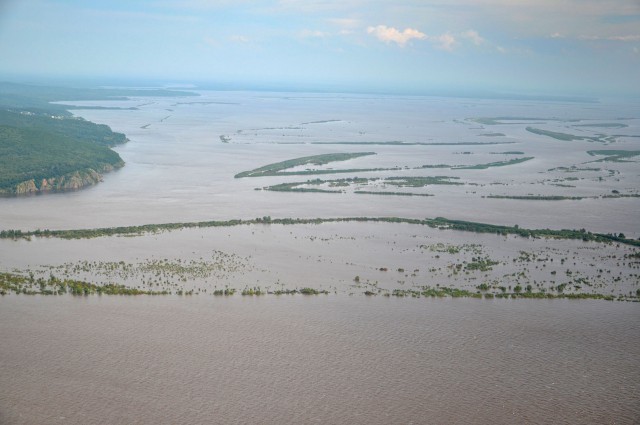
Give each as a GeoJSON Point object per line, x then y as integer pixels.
{"type": "Point", "coordinates": [333, 322]}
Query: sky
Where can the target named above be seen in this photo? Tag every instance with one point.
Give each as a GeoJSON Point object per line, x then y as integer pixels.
{"type": "Point", "coordinates": [566, 47]}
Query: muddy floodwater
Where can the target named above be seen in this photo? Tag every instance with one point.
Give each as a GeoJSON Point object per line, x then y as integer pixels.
{"type": "Point", "coordinates": [354, 322]}
{"type": "Point", "coordinates": [323, 359]}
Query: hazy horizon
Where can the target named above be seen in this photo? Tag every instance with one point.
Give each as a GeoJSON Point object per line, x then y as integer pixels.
{"type": "Point", "coordinates": [566, 48]}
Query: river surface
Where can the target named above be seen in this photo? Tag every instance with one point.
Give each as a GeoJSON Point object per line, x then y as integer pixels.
{"type": "Point", "coordinates": [179, 169]}
{"type": "Point", "coordinates": [341, 358]}
{"type": "Point", "coordinates": [324, 359]}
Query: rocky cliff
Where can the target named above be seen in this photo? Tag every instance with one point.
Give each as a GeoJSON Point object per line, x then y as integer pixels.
{"type": "Point", "coordinates": [68, 182]}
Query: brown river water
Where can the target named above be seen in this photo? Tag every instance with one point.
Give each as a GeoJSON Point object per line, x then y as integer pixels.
{"type": "Point", "coordinates": [317, 359]}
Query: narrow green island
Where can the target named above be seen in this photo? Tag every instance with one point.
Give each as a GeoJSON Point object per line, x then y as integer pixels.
{"type": "Point", "coordinates": [331, 185]}
{"type": "Point", "coordinates": [480, 166]}
{"type": "Point", "coordinates": [438, 223]}
{"type": "Point", "coordinates": [537, 197]}
{"type": "Point", "coordinates": [277, 169]}
{"type": "Point", "coordinates": [600, 138]}
{"type": "Point", "coordinates": [614, 155]}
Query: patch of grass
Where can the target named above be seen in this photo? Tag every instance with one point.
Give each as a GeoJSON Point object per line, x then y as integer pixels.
{"type": "Point", "coordinates": [537, 197]}
{"type": "Point", "coordinates": [438, 222]}
{"type": "Point", "coordinates": [493, 164]}
{"type": "Point", "coordinates": [603, 125]}
{"type": "Point", "coordinates": [277, 169]}
{"type": "Point", "coordinates": [370, 192]}
{"type": "Point", "coordinates": [421, 181]}
{"type": "Point", "coordinates": [614, 155]}
{"type": "Point", "coordinates": [554, 134]}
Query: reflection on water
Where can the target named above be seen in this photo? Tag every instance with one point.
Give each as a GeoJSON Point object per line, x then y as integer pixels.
{"type": "Point", "coordinates": [327, 359]}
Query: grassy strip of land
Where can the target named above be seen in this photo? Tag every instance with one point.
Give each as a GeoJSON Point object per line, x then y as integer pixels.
{"type": "Point", "coordinates": [537, 197]}
{"type": "Point", "coordinates": [492, 164]}
{"type": "Point", "coordinates": [479, 166]}
{"type": "Point", "coordinates": [294, 187]}
{"type": "Point", "coordinates": [277, 169]}
{"type": "Point", "coordinates": [37, 99]}
{"type": "Point", "coordinates": [400, 143]}
{"type": "Point", "coordinates": [569, 137]}
{"type": "Point", "coordinates": [371, 192]}
{"type": "Point", "coordinates": [554, 134]}
{"type": "Point", "coordinates": [393, 181]}
{"type": "Point", "coordinates": [603, 125]}
{"type": "Point", "coordinates": [438, 222]}
{"type": "Point", "coordinates": [613, 155]}
{"type": "Point", "coordinates": [497, 120]}
{"type": "Point", "coordinates": [421, 181]}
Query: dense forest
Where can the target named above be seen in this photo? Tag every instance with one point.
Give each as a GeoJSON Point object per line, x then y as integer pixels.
{"type": "Point", "coordinates": [43, 147]}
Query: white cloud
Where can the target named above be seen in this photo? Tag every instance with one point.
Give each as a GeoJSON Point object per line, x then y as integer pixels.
{"type": "Point", "coordinates": [313, 34]}
{"type": "Point", "coordinates": [390, 34]}
{"type": "Point", "coordinates": [239, 39]}
{"type": "Point", "coordinates": [347, 23]}
{"type": "Point", "coordinates": [211, 42]}
{"type": "Point", "coordinates": [447, 41]}
{"type": "Point", "coordinates": [444, 42]}
{"type": "Point", "coordinates": [473, 36]}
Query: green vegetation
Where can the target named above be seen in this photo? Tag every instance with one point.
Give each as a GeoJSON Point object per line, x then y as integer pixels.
{"type": "Point", "coordinates": [393, 181]}
{"type": "Point", "coordinates": [34, 98]}
{"type": "Point", "coordinates": [499, 120]}
{"type": "Point", "coordinates": [44, 148]}
{"type": "Point", "coordinates": [371, 192]}
{"type": "Point", "coordinates": [294, 187]}
{"type": "Point", "coordinates": [421, 181]}
{"type": "Point", "coordinates": [614, 155]}
{"type": "Point", "coordinates": [277, 169]}
{"type": "Point", "coordinates": [441, 292]}
{"type": "Point", "coordinates": [28, 285]}
{"type": "Point", "coordinates": [438, 222]}
{"type": "Point", "coordinates": [481, 264]}
{"type": "Point", "coordinates": [10, 282]}
{"type": "Point", "coordinates": [480, 166]}
{"type": "Point", "coordinates": [493, 164]}
{"type": "Point", "coordinates": [554, 134]}
{"type": "Point", "coordinates": [67, 127]}
{"type": "Point", "coordinates": [603, 125]}
{"type": "Point", "coordinates": [390, 143]}
{"type": "Point", "coordinates": [225, 292]}
{"type": "Point", "coordinates": [400, 143]}
{"type": "Point", "coordinates": [34, 159]}
{"type": "Point", "coordinates": [319, 122]}
{"type": "Point", "coordinates": [537, 197]}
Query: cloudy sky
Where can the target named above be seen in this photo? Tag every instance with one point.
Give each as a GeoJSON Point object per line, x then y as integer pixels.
{"type": "Point", "coordinates": [589, 47]}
